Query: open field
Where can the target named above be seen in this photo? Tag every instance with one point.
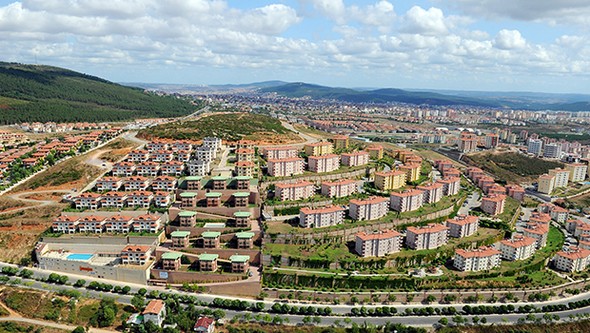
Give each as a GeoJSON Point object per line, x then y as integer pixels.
{"type": "Point", "coordinates": [117, 149]}
{"type": "Point", "coordinates": [16, 327]}
{"type": "Point", "coordinates": [511, 167]}
{"type": "Point", "coordinates": [576, 327]}
{"type": "Point", "coordinates": [73, 173]}
{"type": "Point", "coordinates": [8, 204]}
{"type": "Point", "coordinates": [227, 126]}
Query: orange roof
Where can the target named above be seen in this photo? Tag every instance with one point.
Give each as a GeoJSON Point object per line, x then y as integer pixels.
{"type": "Point", "coordinates": [481, 252]}
{"type": "Point", "coordinates": [323, 157]}
{"type": "Point", "coordinates": [329, 209]}
{"type": "Point", "coordinates": [519, 241]}
{"type": "Point", "coordinates": [574, 253]}
{"type": "Point", "coordinates": [369, 201]}
{"type": "Point", "coordinates": [495, 197]}
{"type": "Point", "coordinates": [244, 164]}
{"type": "Point", "coordinates": [536, 228]}
{"type": "Point", "coordinates": [155, 306]}
{"type": "Point", "coordinates": [92, 218]}
{"type": "Point", "coordinates": [427, 229]}
{"type": "Point", "coordinates": [137, 248]}
{"type": "Point", "coordinates": [463, 219]}
{"type": "Point", "coordinates": [407, 193]}
{"type": "Point", "coordinates": [289, 159]}
{"type": "Point", "coordinates": [356, 153]}
{"type": "Point", "coordinates": [291, 185]}
{"type": "Point", "coordinates": [245, 151]}
{"type": "Point", "coordinates": [383, 234]}
{"type": "Point", "coordinates": [119, 218]}
{"type": "Point", "coordinates": [430, 186]}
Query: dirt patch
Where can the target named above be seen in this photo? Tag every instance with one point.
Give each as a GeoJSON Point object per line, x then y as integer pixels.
{"type": "Point", "coordinates": [247, 289]}
{"type": "Point", "coordinates": [8, 204]}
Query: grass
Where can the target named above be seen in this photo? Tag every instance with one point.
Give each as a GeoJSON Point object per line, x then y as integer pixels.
{"type": "Point", "coordinates": [511, 207]}
{"type": "Point", "coordinates": [117, 149]}
{"type": "Point", "coordinates": [572, 189]}
{"type": "Point", "coordinates": [511, 167]}
{"type": "Point", "coordinates": [555, 241]}
{"type": "Point", "coordinates": [574, 327]}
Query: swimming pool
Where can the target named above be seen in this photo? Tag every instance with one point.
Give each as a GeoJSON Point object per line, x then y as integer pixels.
{"type": "Point", "coordinates": [80, 256]}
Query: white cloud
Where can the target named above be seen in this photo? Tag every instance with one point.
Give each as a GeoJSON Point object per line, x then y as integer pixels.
{"type": "Point", "coordinates": [509, 39]}
{"type": "Point", "coordinates": [425, 22]}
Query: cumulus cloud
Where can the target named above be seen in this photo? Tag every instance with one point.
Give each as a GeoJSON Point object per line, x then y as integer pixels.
{"type": "Point", "coordinates": [425, 22]}
{"type": "Point", "coordinates": [509, 39]}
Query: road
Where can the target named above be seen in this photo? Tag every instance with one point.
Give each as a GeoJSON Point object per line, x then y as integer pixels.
{"type": "Point", "coordinates": [36, 203]}
{"type": "Point", "coordinates": [472, 201]}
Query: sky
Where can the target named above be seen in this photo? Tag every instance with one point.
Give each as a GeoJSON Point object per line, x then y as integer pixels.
{"type": "Point", "coordinates": [486, 45]}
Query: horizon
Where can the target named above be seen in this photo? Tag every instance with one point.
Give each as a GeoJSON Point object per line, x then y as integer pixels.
{"type": "Point", "coordinates": [491, 46]}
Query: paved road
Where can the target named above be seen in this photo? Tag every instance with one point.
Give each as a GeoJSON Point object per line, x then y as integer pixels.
{"type": "Point", "coordinates": [472, 202]}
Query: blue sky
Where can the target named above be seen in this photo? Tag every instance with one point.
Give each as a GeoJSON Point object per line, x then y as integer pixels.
{"type": "Point", "coordinates": [497, 45]}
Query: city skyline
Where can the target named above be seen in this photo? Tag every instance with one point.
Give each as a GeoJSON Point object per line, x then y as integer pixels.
{"type": "Point", "coordinates": [438, 44]}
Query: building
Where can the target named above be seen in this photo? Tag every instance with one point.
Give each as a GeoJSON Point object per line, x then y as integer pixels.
{"type": "Point", "coordinates": [463, 226]}
{"type": "Point", "coordinates": [480, 259]}
{"type": "Point", "coordinates": [219, 182]}
{"type": "Point", "coordinates": [188, 199]}
{"type": "Point", "coordinates": [208, 262]}
{"type": "Point", "coordinates": [114, 199]}
{"type": "Point", "coordinates": [431, 193]}
{"type": "Point", "coordinates": [378, 244]}
{"type": "Point", "coordinates": [573, 259]}
{"type": "Point", "coordinates": [164, 183]}
{"type": "Point", "coordinates": [244, 154]}
{"type": "Point", "coordinates": [320, 217]}
{"type": "Point", "coordinates": [155, 311]}
{"type": "Point", "coordinates": [276, 153]}
{"type": "Point", "coordinates": [538, 231]}
{"type": "Point", "coordinates": [406, 201]}
{"type": "Point", "coordinates": [552, 150]}
{"type": "Point", "coordinates": [136, 183]}
{"type": "Point", "coordinates": [319, 148]}
{"type": "Point", "coordinates": [171, 261]}
{"type": "Point", "coordinates": [244, 168]}
{"type": "Point", "coordinates": [562, 177]}
{"type": "Point", "coordinates": [242, 219]}
{"type": "Point", "coordinates": [204, 153]}
{"type": "Point", "coordinates": [211, 239]}
{"type": "Point", "coordinates": [212, 142]}
{"type": "Point", "coordinates": [193, 183]}
{"type": "Point", "coordinates": [339, 189]}
{"type": "Point", "coordinates": [148, 169]}
{"type": "Point", "coordinates": [451, 185]}
{"type": "Point", "coordinates": [355, 159]}
{"type": "Point", "coordinates": [141, 199]}
{"type": "Point", "coordinates": [213, 199]}
{"type": "Point", "coordinates": [518, 248]}
{"type": "Point", "coordinates": [88, 200]}
{"type": "Point", "coordinates": [412, 171]}
{"type": "Point", "coordinates": [390, 180]}
{"type": "Point", "coordinates": [242, 182]}
{"type": "Point", "coordinates": [136, 255]}
{"type": "Point", "coordinates": [199, 167]}
{"type": "Point", "coordinates": [294, 191]}
{"type": "Point", "coordinates": [245, 240]}
{"type": "Point", "coordinates": [108, 184]}
{"type": "Point", "coordinates": [65, 224]}
{"type": "Point", "coordinates": [91, 224]}
{"type": "Point", "coordinates": [340, 141]}
{"type": "Point", "coordinates": [180, 238]}
{"type": "Point", "coordinates": [535, 147]}
{"type": "Point", "coordinates": [119, 223]}
{"type": "Point", "coordinates": [493, 204]}
{"type": "Point", "coordinates": [375, 152]}
{"type": "Point", "coordinates": [187, 218]}
{"type": "Point", "coordinates": [577, 171]}
{"type": "Point", "coordinates": [241, 199]}
{"type": "Point", "coordinates": [546, 184]}
{"type": "Point", "coordinates": [147, 223]}
{"type": "Point", "coordinates": [428, 237]}
{"type": "Point", "coordinates": [371, 208]}
{"type": "Point", "coordinates": [285, 167]}
{"type": "Point", "coordinates": [467, 142]}
{"type": "Point", "coordinates": [239, 264]}
{"type": "Point", "coordinates": [123, 169]}
{"type": "Point", "coordinates": [162, 199]}
{"type": "Point", "coordinates": [323, 163]}
{"type": "Point", "coordinates": [204, 325]}
{"type": "Point", "coordinates": [491, 141]}
{"type": "Point", "coordinates": [515, 191]}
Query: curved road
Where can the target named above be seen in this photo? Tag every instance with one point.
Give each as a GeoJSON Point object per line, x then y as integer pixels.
{"type": "Point", "coordinates": [36, 203]}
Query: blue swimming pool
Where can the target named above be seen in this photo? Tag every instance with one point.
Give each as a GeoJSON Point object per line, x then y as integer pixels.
{"type": "Point", "coordinates": [79, 256]}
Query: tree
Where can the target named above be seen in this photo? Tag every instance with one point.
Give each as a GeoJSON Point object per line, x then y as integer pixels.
{"type": "Point", "coordinates": [106, 313]}
{"type": "Point", "coordinates": [306, 320]}
{"type": "Point", "coordinates": [80, 283]}
{"type": "Point", "coordinates": [142, 291]}
{"type": "Point", "coordinates": [79, 329]}
{"type": "Point", "coordinates": [443, 321]}
{"type": "Point", "coordinates": [138, 302]}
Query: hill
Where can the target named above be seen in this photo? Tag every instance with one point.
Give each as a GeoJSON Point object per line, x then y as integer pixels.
{"type": "Point", "coordinates": [227, 126]}
{"type": "Point", "coordinates": [43, 93]}
{"type": "Point", "coordinates": [511, 167]}
{"type": "Point", "coordinates": [300, 89]}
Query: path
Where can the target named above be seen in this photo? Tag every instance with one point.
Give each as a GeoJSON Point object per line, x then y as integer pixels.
{"type": "Point", "coordinates": [36, 202]}
{"type": "Point", "coordinates": [45, 323]}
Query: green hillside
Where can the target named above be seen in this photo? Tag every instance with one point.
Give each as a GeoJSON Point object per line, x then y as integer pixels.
{"type": "Point", "coordinates": [42, 93]}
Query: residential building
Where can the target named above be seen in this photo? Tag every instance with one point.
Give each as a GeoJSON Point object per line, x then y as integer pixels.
{"type": "Point", "coordinates": [199, 167]}
{"type": "Point", "coordinates": [406, 201]}
{"type": "Point", "coordinates": [480, 259]}
{"type": "Point", "coordinates": [371, 208]}
{"type": "Point", "coordinates": [324, 163]}
{"type": "Point", "coordinates": [119, 223]}
{"type": "Point", "coordinates": [204, 153]}
{"type": "Point", "coordinates": [136, 254]}
{"type": "Point", "coordinates": [193, 182]}
{"type": "Point", "coordinates": [136, 183]}
{"type": "Point", "coordinates": [213, 199]}
{"type": "Point", "coordinates": [245, 240]}
{"type": "Point", "coordinates": [320, 217]}
{"type": "Point", "coordinates": [91, 224]}
{"type": "Point", "coordinates": [108, 184]}
{"type": "Point", "coordinates": [276, 153]}
{"type": "Point", "coordinates": [138, 156]}
{"type": "Point", "coordinates": [463, 226]}
{"type": "Point", "coordinates": [208, 262]}
{"type": "Point", "coordinates": [294, 191]}
{"type": "Point", "coordinates": [518, 248]}
{"type": "Point", "coordinates": [577, 171]}
{"type": "Point", "coordinates": [546, 184]}
{"type": "Point", "coordinates": [161, 156]}
{"type": "Point", "coordinates": [242, 219]}
{"type": "Point", "coordinates": [339, 188]}
{"type": "Point", "coordinates": [378, 244]}
{"type": "Point", "coordinates": [242, 182]}
{"type": "Point", "coordinates": [562, 177]}
{"type": "Point", "coordinates": [87, 200]}
{"type": "Point", "coordinates": [431, 193]}
{"type": "Point", "coordinates": [318, 148]}
{"type": "Point", "coordinates": [148, 169]}
{"type": "Point", "coordinates": [204, 325]}
{"type": "Point", "coordinates": [147, 223]}
{"type": "Point", "coordinates": [244, 154]}
{"type": "Point", "coordinates": [65, 224]}
{"type": "Point", "coordinates": [515, 191]}
{"type": "Point", "coordinates": [573, 259]}
{"type": "Point", "coordinates": [355, 159]}
{"type": "Point", "coordinates": [390, 180]}
{"type": "Point", "coordinates": [493, 204]}
{"type": "Point", "coordinates": [164, 183]}
{"type": "Point", "coordinates": [285, 167]}
{"type": "Point", "coordinates": [340, 141]}
{"type": "Point", "coordinates": [188, 199]}
{"type": "Point", "coordinates": [451, 185]}
{"type": "Point", "coordinates": [467, 143]}
{"type": "Point", "coordinates": [211, 239]}
{"type": "Point", "coordinates": [552, 150]}
{"type": "Point", "coordinates": [171, 261]}
{"type": "Point", "coordinates": [412, 171]}
{"type": "Point", "coordinates": [212, 142]}
{"type": "Point", "coordinates": [155, 311]}
{"type": "Point", "coordinates": [244, 168]}
{"type": "Point", "coordinates": [491, 141]}
{"type": "Point", "coordinates": [187, 218]}
{"type": "Point", "coordinates": [538, 231]}
{"type": "Point", "coordinates": [114, 199]}
{"type": "Point", "coordinates": [180, 238]}
{"type": "Point", "coordinates": [535, 147]}
{"type": "Point", "coordinates": [239, 263]}
{"type": "Point", "coordinates": [142, 199]}
{"type": "Point", "coordinates": [162, 199]}
{"type": "Point", "coordinates": [427, 237]}
{"type": "Point", "coordinates": [241, 199]}
{"type": "Point", "coordinates": [375, 152]}
{"type": "Point", "coordinates": [123, 169]}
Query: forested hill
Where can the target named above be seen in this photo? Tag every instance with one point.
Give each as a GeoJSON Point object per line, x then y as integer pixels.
{"type": "Point", "coordinates": [42, 93]}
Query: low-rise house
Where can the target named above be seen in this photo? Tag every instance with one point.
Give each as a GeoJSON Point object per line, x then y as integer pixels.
{"type": "Point", "coordinates": [219, 182]}
{"type": "Point", "coordinates": [205, 325]}
{"type": "Point", "coordinates": [65, 224]}
{"type": "Point", "coordinates": [242, 182]}
{"type": "Point", "coordinates": [91, 224]}
{"type": "Point", "coordinates": [136, 255]}
{"type": "Point", "coordinates": [155, 312]}
{"type": "Point", "coordinates": [88, 201]}
{"type": "Point", "coordinates": [162, 199]}
{"type": "Point", "coordinates": [164, 183]}
{"type": "Point", "coordinates": [123, 169]}
{"type": "Point", "coordinates": [378, 244]}
{"type": "Point", "coordinates": [172, 168]}
{"type": "Point", "coordinates": [162, 156]}
{"type": "Point", "coordinates": [148, 169]}
{"type": "Point", "coordinates": [183, 156]}
{"type": "Point", "coordinates": [114, 199]}
{"type": "Point", "coordinates": [241, 199]}
{"type": "Point", "coordinates": [108, 184]}
{"type": "Point", "coordinates": [138, 156]}
{"type": "Point", "coordinates": [147, 223]}
{"type": "Point", "coordinates": [137, 183]}
{"type": "Point", "coordinates": [141, 199]}
{"type": "Point", "coordinates": [119, 223]}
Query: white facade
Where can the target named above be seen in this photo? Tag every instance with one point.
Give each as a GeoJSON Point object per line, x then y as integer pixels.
{"type": "Point", "coordinates": [320, 217]}
{"type": "Point", "coordinates": [378, 244]}
{"type": "Point", "coordinates": [369, 209]}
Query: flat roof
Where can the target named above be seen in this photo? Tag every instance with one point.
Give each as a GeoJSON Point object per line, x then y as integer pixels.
{"type": "Point", "coordinates": [239, 258]}
{"type": "Point", "coordinates": [213, 195]}
{"type": "Point", "coordinates": [180, 234]}
{"type": "Point", "coordinates": [219, 178]}
{"type": "Point", "coordinates": [245, 234]}
{"type": "Point", "coordinates": [208, 256]}
{"type": "Point", "coordinates": [193, 178]}
{"type": "Point", "coordinates": [187, 213]}
{"type": "Point", "coordinates": [171, 255]}
{"type": "Point", "coordinates": [241, 194]}
{"type": "Point", "coordinates": [188, 194]}
{"type": "Point", "coordinates": [242, 214]}
{"type": "Point", "coordinates": [211, 234]}
{"type": "Point", "coordinates": [243, 178]}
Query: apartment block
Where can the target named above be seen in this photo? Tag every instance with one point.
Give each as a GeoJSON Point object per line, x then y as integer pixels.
{"type": "Point", "coordinates": [463, 226]}
{"type": "Point", "coordinates": [368, 209]}
{"type": "Point", "coordinates": [574, 259]}
{"type": "Point", "coordinates": [431, 193]}
{"type": "Point", "coordinates": [538, 231]}
{"type": "Point", "coordinates": [244, 168]}
{"type": "Point", "coordinates": [493, 204]}
{"type": "Point", "coordinates": [515, 191]}
{"type": "Point", "coordinates": [451, 185]}
{"type": "Point", "coordinates": [577, 171]}
{"type": "Point", "coordinates": [480, 259]}
{"type": "Point", "coordinates": [355, 159]}
{"type": "Point", "coordinates": [65, 224]}
{"type": "Point", "coordinates": [294, 191]}
{"type": "Point", "coordinates": [546, 184]}
{"type": "Point", "coordinates": [136, 254]}
{"type": "Point", "coordinates": [412, 171]}
{"type": "Point", "coordinates": [323, 163]}
{"type": "Point", "coordinates": [319, 149]}
{"type": "Point", "coordinates": [518, 248]}
{"type": "Point", "coordinates": [275, 153]}
{"type": "Point", "coordinates": [320, 217]}
{"type": "Point", "coordinates": [378, 244]}
{"type": "Point", "coordinates": [340, 141]}
{"type": "Point", "coordinates": [285, 167]}
{"type": "Point", "coordinates": [390, 180]}
{"type": "Point", "coordinates": [406, 201]}
{"type": "Point", "coordinates": [340, 188]}
{"type": "Point", "coordinates": [427, 237]}
{"type": "Point", "coordinates": [244, 154]}
{"type": "Point", "coordinates": [375, 152]}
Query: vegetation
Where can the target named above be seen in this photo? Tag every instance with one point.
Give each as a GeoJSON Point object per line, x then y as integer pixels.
{"type": "Point", "coordinates": [227, 126]}
{"type": "Point", "coordinates": [42, 93]}
{"type": "Point", "coordinates": [511, 166]}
